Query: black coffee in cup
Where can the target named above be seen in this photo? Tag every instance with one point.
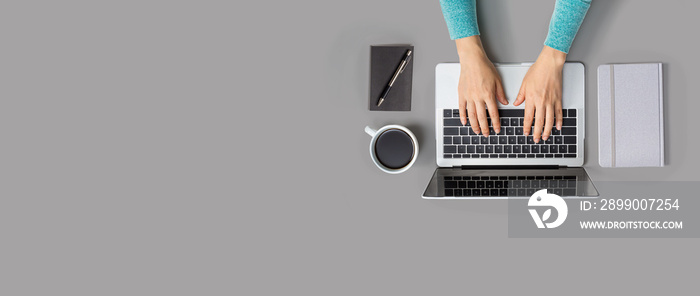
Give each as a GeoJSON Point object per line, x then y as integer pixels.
{"type": "Point", "coordinates": [394, 148]}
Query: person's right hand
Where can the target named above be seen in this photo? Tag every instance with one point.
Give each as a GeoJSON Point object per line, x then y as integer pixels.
{"type": "Point", "coordinates": [479, 87]}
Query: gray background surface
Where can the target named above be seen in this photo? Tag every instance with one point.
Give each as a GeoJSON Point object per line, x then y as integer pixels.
{"type": "Point", "coordinates": [217, 148]}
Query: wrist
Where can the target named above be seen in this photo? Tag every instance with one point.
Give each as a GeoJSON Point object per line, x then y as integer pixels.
{"type": "Point", "coordinates": [553, 56]}
{"type": "Point", "coordinates": [469, 48]}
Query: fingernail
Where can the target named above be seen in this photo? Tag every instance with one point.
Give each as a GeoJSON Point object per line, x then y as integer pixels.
{"type": "Point", "coordinates": [464, 122]}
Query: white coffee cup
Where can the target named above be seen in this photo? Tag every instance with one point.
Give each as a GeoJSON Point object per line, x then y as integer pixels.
{"type": "Point", "coordinates": [398, 144]}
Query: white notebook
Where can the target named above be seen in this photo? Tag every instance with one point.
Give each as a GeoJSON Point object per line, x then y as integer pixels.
{"type": "Point", "coordinates": [630, 115]}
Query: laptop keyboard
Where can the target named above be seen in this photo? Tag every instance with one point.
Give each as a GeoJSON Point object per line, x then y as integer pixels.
{"type": "Point", "coordinates": [469, 186]}
{"type": "Point", "coordinates": [461, 142]}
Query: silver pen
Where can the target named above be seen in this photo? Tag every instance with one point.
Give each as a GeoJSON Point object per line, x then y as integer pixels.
{"type": "Point", "coordinates": [399, 70]}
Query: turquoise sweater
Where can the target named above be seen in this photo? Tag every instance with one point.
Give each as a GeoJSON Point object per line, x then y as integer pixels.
{"type": "Point", "coordinates": [460, 16]}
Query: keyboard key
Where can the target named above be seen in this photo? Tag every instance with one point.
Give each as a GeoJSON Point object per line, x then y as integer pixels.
{"type": "Point", "coordinates": [571, 113]}
{"type": "Point", "coordinates": [511, 112]}
{"type": "Point", "coordinates": [540, 155]}
{"type": "Point", "coordinates": [466, 140]}
{"type": "Point", "coordinates": [451, 131]}
{"type": "Point", "coordinates": [462, 184]}
{"type": "Point", "coordinates": [457, 192]}
{"type": "Point", "coordinates": [562, 148]}
{"type": "Point", "coordinates": [558, 155]}
{"type": "Point", "coordinates": [516, 149]}
{"type": "Point", "coordinates": [504, 122]}
{"type": "Point", "coordinates": [514, 122]}
{"type": "Point", "coordinates": [556, 132]}
{"type": "Point", "coordinates": [457, 140]}
{"type": "Point", "coordinates": [525, 149]}
{"type": "Point", "coordinates": [530, 140]}
{"type": "Point", "coordinates": [455, 112]}
{"type": "Point", "coordinates": [471, 148]}
{"type": "Point", "coordinates": [479, 149]}
{"type": "Point", "coordinates": [450, 149]}
{"type": "Point", "coordinates": [466, 192]}
{"type": "Point", "coordinates": [572, 148]}
{"type": "Point", "coordinates": [447, 113]}
{"type": "Point", "coordinates": [563, 112]}
{"type": "Point", "coordinates": [508, 149]}
{"type": "Point", "coordinates": [530, 156]}
{"type": "Point", "coordinates": [512, 140]}
{"type": "Point", "coordinates": [493, 140]}
{"type": "Point", "coordinates": [466, 156]}
{"type": "Point", "coordinates": [519, 130]}
{"type": "Point", "coordinates": [535, 149]}
{"type": "Point", "coordinates": [512, 156]}
{"type": "Point", "coordinates": [498, 149]}
{"type": "Point", "coordinates": [475, 140]}
{"type": "Point", "coordinates": [493, 155]}
{"type": "Point", "coordinates": [450, 184]}
{"type": "Point", "coordinates": [502, 140]}
{"type": "Point", "coordinates": [451, 122]}
{"type": "Point", "coordinates": [484, 140]}
{"type": "Point", "coordinates": [568, 131]}
{"type": "Point", "coordinates": [549, 140]}
{"type": "Point", "coordinates": [569, 139]}
{"type": "Point", "coordinates": [569, 122]}
{"type": "Point", "coordinates": [461, 149]}
{"type": "Point", "coordinates": [549, 155]}
{"type": "Point", "coordinates": [521, 140]}
{"type": "Point", "coordinates": [489, 148]}
{"type": "Point", "coordinates": [544, 149]}
{"type": "Point", "coordinates": [447, 140]}
{"type": "Point", "coordinates": [554, 149]}
{"type": "Point", "coordinates": [464, 131]}
{"type": "Point", "coordinates": [569, 155]}
{"type": "Point", "coordinates": [557, 140]}
{"type": "Point", "coordinates": [447, 155]}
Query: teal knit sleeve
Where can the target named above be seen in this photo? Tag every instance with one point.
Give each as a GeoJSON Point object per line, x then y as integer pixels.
{"type": "Point", "coordinates": [566, 19]}
{"type": "Point", "coordinates": [460, 16]}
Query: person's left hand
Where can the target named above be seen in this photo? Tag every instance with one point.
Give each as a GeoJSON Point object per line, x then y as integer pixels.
{"type": "Point", "coordinates": [541, 92]}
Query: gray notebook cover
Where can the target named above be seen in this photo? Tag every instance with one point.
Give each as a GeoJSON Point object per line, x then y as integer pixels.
{"type": "Point", "coordinates": [630, 115]}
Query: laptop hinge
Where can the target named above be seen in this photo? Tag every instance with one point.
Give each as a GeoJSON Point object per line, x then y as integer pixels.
{"type": "Point", "coordinates": [509, 167]}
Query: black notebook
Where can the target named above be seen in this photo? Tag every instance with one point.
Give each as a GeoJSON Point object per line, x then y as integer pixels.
{"type": "Point", "coordinates": [384, 59]}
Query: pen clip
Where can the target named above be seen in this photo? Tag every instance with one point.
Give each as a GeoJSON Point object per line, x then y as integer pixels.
{"type": "Point", "coordinates": [407, 60]}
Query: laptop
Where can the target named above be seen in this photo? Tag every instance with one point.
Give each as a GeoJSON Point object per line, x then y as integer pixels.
{"type": "Point", "coordinates": [508, 164]}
